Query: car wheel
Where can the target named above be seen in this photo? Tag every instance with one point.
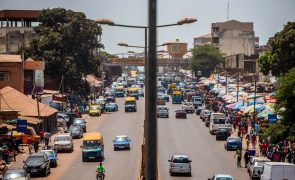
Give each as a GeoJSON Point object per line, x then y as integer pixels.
{"type": "Point", "coordinates": [190, 174]}
{"type": "Point", "coordinates": [171, 174]}
{"type": "Point", "coordinates": [115, 149]}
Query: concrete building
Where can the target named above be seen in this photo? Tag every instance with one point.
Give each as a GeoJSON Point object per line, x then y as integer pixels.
{"type": "Point", "coordinates": [16, 29]}
{"type": "Point", "coordinates": [202, 40]}
{"type": "Point", "coordinates": [234, 37]}
{"type": "Point", "coordinates": [11, 72]}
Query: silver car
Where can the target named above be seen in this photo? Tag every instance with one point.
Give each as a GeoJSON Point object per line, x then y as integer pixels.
{"type": "Point", "coordinates": [64, 142]}
{"type": "Point", "coordinates": [180, 164]}
{"type": "Point", "coordinates": [163, 111]}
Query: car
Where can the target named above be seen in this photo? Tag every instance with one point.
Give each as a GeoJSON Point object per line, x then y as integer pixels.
{"type": "Point", "coordinates": [80, 122]}
{"type": "Point", "coordinates": [188, 107]}
{"type": "Point", "coordinates": [223, 133]}
{"type": "Point", "coordinates": [63, 142]}
{"type": "Point", "coordinates": [222, 177]}
{"type": "Point", "coordinates": [109, 99]}
{"type": "Point", "coordinates": [16, 174]}
{"type": "Point", "coordinates": [52, 156]}
{"type": "Point", "coordinates": [256, 166]}
{"type": "Point", "coordinates": [199, 109]}
{"type": "Point", "coordinates": [121, 142]}
{"type": "Point", "coordinates": [161, 101]}
{"type": "Point", "coordinates": [204, 113]}
{"type": "Point", "coordinates": [233, 143]}
{"type": "Point", "coordinates": [180, 113]}
{"type": "Point", "coordinates": [180, 164]}
{"type": "Point", "coordinates": [76, 131]}
{"type": "Point", "coordinates": [111, 107]}
{"type": "Point", "coordinates": [95, 109]}
{"type": "Point", "coordinates": [165, 97]}
{"type": "Point", "coordinates": [141, 92]}
{"type": "Point", "coordinates": [163, 111]}
{"type": "Point", "coordinates": [37, 163]}
{"type": "Point", "coordinates": [61, 118]}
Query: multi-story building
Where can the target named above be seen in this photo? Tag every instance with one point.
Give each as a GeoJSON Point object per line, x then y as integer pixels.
{"type": "Point", "coordinates": [202, 40]}
{"type": "Point", "coordinates": [16, 29]}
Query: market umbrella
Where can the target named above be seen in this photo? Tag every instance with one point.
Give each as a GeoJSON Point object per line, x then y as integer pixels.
{"type": "Point", "coordinates": [252, 103]}
{"type": "Point", "coordinates": [203, 78]}
{"type": "Point", "coordinates": [265, 113]}
{"type": "Point", "coordinates": [238, 105]}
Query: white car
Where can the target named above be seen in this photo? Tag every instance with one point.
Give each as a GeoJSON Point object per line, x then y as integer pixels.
{"type": "Point", "coordinates": [204, 113]}
{"type": "Point", "coordinates": [188, 107]}
{"type": "Point", "coordinates": [64, 142]}
{"type": "Point", "coordinates": [256, 166]}
{"type": "Point", "coordinates": [221, 177]}
{"type": "Point", "coordinates": [163, 111]}
{"type": "Point", "coordinates": [180, 164]}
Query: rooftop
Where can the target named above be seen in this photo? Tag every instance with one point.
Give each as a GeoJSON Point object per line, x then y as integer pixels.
{"type": "Point", "coordinates": [10, 58]}
{"type": "Point", "coordinates": [19, 15]}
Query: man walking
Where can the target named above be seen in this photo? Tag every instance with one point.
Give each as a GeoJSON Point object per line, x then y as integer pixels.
{"type": "Point", "coordinates": [46, 138]}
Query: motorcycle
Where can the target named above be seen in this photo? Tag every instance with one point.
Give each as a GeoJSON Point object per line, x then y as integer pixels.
{"type": "Point", "coordinates": [99, 176]}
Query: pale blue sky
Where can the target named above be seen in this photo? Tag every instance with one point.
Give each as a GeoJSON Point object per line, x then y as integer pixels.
{"type": "Point", "coordinates": [268, 16]}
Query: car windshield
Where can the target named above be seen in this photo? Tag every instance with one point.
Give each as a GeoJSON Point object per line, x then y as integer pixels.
{"type": "Point", "coordinates": [13, 175]}
{"type": "Point", "coordinates": [224, 178]}
{"type": "Point", "coordinates": [180, 160]}
{"type": "Point", "coordinates": [162, 109]}
{"type": "Point", "coordinates": [74, 128]}
{"type": "Point", "coordinates": [62, 138]}
{"type": "Point", "coordinates": [91, 144]}
{"type": "Point", "coordinates": [49, 153]}
{"type": "Point", "coordinates": [94, 108]}
{"type": "Point", "coordinates": [121, 139]}
{"type": "Point", "coordinates": [111, 105]}
{"type": "Point", "coordinates": [35, 159]}
{"type": "Point", "coordinates": [234, 140]}
{"type": "Point", "coordinates": [219, 121]}
{"type": "Point", "coordinates": [129, 102]}
{"type": "Point", "coordinates": [79, 121]}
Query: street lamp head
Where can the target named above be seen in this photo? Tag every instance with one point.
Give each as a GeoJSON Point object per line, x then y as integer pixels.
{"type": "Point", "coordinates": [122, 44]}
{"type": "Point", "coordinates": [105, 21]}
{"type": "Point", "coordinates": [186, 20]}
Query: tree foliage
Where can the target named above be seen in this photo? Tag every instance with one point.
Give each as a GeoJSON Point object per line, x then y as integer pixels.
{"type": "Point", "coordinates": [205, 58]}
{"type": "Point", "coordinates": [282, 55]}
{"type": "Point", "coordinates": [67, 42]}
{"type": "Point", "coordinates": [285, 100]}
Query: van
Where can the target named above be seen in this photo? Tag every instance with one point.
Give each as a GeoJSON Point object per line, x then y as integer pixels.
{"type": "Point", "coordinates": [130, 104]}
{"type": "Point", "coordinates": [217, 120]}
{"type": "Point", "coordinates": [93, 147]}
{"type": "Point", "coordinates": [278, 170]}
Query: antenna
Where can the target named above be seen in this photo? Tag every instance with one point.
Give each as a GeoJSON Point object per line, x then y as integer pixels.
{"type": "Point", "coordinates": [227, 10]}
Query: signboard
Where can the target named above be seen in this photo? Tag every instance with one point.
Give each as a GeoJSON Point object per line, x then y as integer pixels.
{"type": "Point", "coordinates": [21, 125]}
{"type": "Point", "coordinates": [39, 78]}
{"type": "Point", "coordinates": [272, 118]}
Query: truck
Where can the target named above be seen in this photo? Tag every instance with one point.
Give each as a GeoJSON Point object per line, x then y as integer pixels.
{"type": "Point", "coordinates": [278, 170]}
{"type": "Point", "coordinates": [176, 97]}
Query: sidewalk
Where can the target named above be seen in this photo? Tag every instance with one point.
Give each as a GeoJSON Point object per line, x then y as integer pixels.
{"type": "Point", "coordinates": [25, 150]}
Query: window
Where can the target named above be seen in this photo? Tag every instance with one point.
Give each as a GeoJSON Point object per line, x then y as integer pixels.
{"type": "Point", "coordinates": [4, 76]}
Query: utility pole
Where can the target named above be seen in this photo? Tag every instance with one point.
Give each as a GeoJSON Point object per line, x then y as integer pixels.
{"type": "Point", "coordinates": [37, 98]}
{"type": "Point", "coordinates": [254, 115]}
{"type": "Point", "coordinates": [238, 84]}
{"type": "Point", "coordinates": [226, 82]}
{"type": "Point", "coordinates": [61, 87]}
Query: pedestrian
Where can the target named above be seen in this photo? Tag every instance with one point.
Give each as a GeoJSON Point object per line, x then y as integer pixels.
{"type": "Point", "coordinates": [29, 142]}
{"type": "Point", "coordinates": [41, 133]}
{"type": "Point", "coordinates": [5, 154]}
{"type": "Point", "coordinates": [253, 140]}
{"type": "Point", "coordinates": [246, 157]}
{"type": "Point", "coordinates": [242, 131]}
{"type": "Point", "coordinates": [36, 145]}
{"type": "Point", "coordinates": [263, 148]}
{"type": "Point", "coordinates": [239, 157]}
{"type": "Point", "coordinates": [46, 138]}
{"type": "Point", "coordinates": [247, 140]}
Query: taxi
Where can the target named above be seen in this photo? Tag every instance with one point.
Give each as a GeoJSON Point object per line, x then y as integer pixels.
{"type": "Point", "coordinates": [92, 147]}
{"type": "Point", "coordinates": [130, 104]}
{"type": "Point", "coordinates": [95, 109]}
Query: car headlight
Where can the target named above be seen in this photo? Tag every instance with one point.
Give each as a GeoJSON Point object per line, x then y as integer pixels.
{"type": "Point", "coordinates": [68, 145]}
{"type": "Point", "coordinates": [43, 165]}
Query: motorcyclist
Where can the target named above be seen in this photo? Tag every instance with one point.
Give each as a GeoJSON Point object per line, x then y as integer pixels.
{"type": "Point", "coordinates": [101, 170]}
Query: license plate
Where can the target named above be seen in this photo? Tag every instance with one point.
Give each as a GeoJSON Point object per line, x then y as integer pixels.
{"type": "Point", "coordinates": [91, 157]}
{"type": "Point", "coordinates": [34, 170]}
{"type": "Point", "coordinates": [234, 146]}
{"type": "Point", "coordinates": [121, 146]}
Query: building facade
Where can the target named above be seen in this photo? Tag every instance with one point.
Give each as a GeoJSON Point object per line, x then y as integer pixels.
{"type": "Point", "coordinates": [202, 40]}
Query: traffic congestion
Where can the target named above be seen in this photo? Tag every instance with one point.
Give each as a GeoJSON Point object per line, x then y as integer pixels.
{"type": "Point", "coordinates": [181, 100]}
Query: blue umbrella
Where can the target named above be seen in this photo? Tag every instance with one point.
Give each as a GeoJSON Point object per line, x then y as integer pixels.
{"type": "Point", "coordinates": [260, 108]}
{"type": "Point", "coordinates": [238, 106]}
{"type": "Point", "coordinates": [252, 103]}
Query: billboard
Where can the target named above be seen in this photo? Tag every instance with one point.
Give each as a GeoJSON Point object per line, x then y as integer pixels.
{"type": "Point", "coordinates": [21, 125]}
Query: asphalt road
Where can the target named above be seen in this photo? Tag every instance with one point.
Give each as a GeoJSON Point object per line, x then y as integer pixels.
{"type": "Point", "coordinates": [191, 137]}
{"type": "Point", "coordinates": [118, 164]}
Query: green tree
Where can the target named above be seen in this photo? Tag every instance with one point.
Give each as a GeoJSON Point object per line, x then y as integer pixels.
{"type": "Point", "coordinates": [285, 100]}
{"type": "Point", "coordinates": [205, 58]}
{"type": "Point", "coordinates": [282, 55]}
{"type": "Point", "coordinates": [67, 42]}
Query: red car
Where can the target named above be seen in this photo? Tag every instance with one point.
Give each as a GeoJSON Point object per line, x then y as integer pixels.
{"type": "Point", "coordinates": [180, 113]}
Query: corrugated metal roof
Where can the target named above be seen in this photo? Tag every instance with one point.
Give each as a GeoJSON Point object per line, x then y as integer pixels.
{"type": "Point", "coordinates": [15, 100]}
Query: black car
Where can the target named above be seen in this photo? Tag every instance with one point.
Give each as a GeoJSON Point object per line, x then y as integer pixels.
{"type": "Point", "coordinates": [199, 109]}
{"type": "Point", "coordinates": [222, 133]}
{"type": "Point", "coordinates": [37, 163]}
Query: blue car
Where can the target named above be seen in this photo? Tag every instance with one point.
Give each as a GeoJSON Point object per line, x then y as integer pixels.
{"type": "Point", "coordinates": [233, 143]}
{"type": "Point", "coordinates": [165, 97]}
{"type": "Point", "coordinates": [51, 156]}
{"type": "Point", "coordinates": [111, 107]}
{"type": "Point", "coordinates": [121, 142]}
